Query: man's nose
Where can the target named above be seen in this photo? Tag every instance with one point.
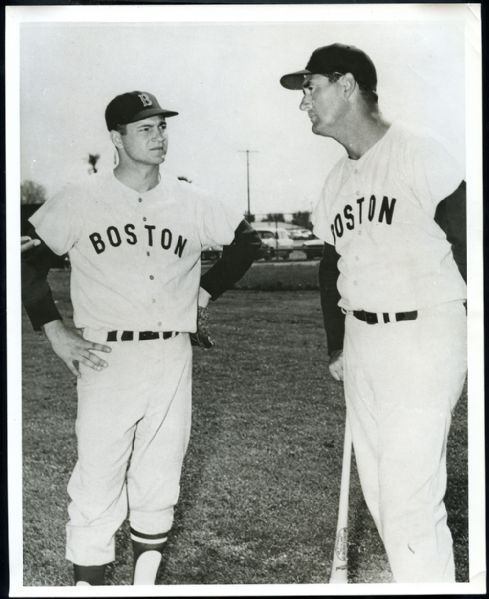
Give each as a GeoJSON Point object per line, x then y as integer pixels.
{"type": "Point", "coordinates": [159, 134]}
{"type": "Point", "coordinates": [305, 103]}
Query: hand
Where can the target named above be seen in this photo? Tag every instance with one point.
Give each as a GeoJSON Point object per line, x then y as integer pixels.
{"type": "Point", "coordinates": [336, 365]}
{"type": "Point", "coordinates": [27, 243]}
{"type": "Point", "coordinates": [73, 349]}
{"type": "Point", "coordinates": [203, 298]}
{"type": "Point", "coordinates": [202, 337]}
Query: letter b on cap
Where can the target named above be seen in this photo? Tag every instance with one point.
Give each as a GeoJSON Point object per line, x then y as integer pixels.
{"type": "Point", "coordinates": [145, 100]}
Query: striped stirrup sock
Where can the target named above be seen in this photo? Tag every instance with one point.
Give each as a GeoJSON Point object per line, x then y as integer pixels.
{"type": "Point", "coordinates": [147, 551]}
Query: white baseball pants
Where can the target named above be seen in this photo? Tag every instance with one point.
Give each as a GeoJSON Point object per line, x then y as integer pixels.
{"type": "Point", "coordinates": [133, 428]}
{"type": "Point", "coordinates": [402, 381]}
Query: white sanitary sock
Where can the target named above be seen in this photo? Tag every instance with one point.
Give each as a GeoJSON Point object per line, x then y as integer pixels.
{"type": "Point", "coordinates": [146, 567]}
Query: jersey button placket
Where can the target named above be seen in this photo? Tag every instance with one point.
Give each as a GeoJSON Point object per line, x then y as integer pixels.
{"type": "Point", "coordinates": [355, 185]}
{"type": "Point", "coordinates": [353, 181]}
{"type": "Point", "coordinates": [148, 254]}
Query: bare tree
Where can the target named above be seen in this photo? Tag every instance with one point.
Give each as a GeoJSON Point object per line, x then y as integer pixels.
{"type": "Point", "coordinates": [32, 193]}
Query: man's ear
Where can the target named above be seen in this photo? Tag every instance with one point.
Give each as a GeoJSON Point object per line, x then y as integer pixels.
{"type": "Point", "coordinates": [348, 84]}
{"type": "Point", "coordinates": [116, 138]}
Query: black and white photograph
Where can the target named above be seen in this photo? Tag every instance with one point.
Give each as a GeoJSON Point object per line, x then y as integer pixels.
{"type": "Point", "coordinates": [245, 300]}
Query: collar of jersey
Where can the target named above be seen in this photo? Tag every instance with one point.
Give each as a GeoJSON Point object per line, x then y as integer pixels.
{"type": "Point", "coordinates": [158, 191]}
{"type": "Point", "coordinates": [359, 161]}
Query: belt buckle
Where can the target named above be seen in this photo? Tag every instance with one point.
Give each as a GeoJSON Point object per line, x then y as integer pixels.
{"type": "Point", "coordinates": [412, 315]}
{"type": "Point", "coordinates": [148, 335]}
{"type": "Point", "coordinates": [371, 317]}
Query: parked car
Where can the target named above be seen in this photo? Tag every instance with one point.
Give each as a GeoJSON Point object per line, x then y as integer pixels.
{"type": "Point", "coordinates": [276, 241]}
{"type": "Point", "coordinates": [299, 236]}
{"type": "Point", "coordinates": [313, 248]}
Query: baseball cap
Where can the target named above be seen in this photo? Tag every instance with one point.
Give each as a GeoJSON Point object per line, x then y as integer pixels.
{"type": "Point", "coordinates": [131, 107]}
{"type": "Point", "coordinates": [335, 58]}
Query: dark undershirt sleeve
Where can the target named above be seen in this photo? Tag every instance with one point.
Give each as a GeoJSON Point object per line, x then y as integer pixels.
{"type": "Point", "coordinates": [235, 261]}
{"type": "Point", "coordinates": [333, 317]}
{"type": "Point", "coordinates": [452, 218]}
{"type": "Point", "coordinates": [36, 293]}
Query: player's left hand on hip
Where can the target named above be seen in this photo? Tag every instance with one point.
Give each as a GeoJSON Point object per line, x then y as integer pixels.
{"type": "Point", "coordinates": [73, 349]}
{"type": "Point", "coordinates": [336, 365]}
{"type": "Point", "coordinates": [202, 337]}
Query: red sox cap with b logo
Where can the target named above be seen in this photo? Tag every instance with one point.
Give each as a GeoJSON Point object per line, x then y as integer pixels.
{"type": "Point", "coordinates": [131, 107]}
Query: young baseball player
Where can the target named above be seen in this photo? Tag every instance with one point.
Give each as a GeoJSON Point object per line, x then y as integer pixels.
{"type": "Point", "coordinates": [392, 215]}
{"type": "Point", "coordinates": [134, 239]}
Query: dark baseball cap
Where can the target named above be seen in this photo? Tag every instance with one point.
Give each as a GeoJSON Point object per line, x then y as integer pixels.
{"type": "Point", "coordinates": [336, 58]}
{"type": "Point", "coordinates": [131, 107]}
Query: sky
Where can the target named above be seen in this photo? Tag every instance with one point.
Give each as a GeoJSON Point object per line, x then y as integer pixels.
{"type": "Point", "coordinates": [223, 79]}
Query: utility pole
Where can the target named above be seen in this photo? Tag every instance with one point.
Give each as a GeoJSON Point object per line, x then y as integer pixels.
{"type": "Point", "coordinates": [247, 152]}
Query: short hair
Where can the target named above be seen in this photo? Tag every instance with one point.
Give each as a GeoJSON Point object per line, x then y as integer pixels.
{"type": "Point", "coordinates": [369, 96]}
{"type": "Point", "coordinates": [122, 129]}
{"type": "Point", "coordinates": [333, 77]}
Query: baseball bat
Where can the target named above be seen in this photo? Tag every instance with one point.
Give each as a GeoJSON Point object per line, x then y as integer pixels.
{"type": "Point", "coordinates": [339, 568]}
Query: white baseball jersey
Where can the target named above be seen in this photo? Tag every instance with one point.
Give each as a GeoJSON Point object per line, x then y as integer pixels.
{"type": "Point", "coordinates": [135, 256]}
{"type": "Point", "coordinates": [378, 211]}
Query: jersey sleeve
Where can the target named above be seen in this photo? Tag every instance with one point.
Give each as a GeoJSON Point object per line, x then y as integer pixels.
{"type": "Point", "coordinates": [58, 222]}
{"type": "Point", "coordinates": [435, 173]}
{"type": "Point", "coordinates": [320, 216]}
{"type": "Point", "coordinates": [217, 222]}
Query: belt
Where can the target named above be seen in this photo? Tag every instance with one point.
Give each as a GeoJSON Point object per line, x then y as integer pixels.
{"type": "Point", "coordinates": [373, 317]}
{"type": "Point", "coordinates": [141, 335]}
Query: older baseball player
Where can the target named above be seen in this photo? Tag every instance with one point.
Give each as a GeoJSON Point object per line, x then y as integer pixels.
{"type": "Point", "coordinates": [392, 215]}
{"type": "Point", "coordinates": [134, 239]}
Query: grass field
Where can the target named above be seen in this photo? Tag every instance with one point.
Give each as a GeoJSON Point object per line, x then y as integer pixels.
{"type": "Point", "coordinates": [261, 478]}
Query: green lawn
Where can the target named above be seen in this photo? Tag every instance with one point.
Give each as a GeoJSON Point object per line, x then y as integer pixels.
{"type": "Point", "coordinates": [261, 478]}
